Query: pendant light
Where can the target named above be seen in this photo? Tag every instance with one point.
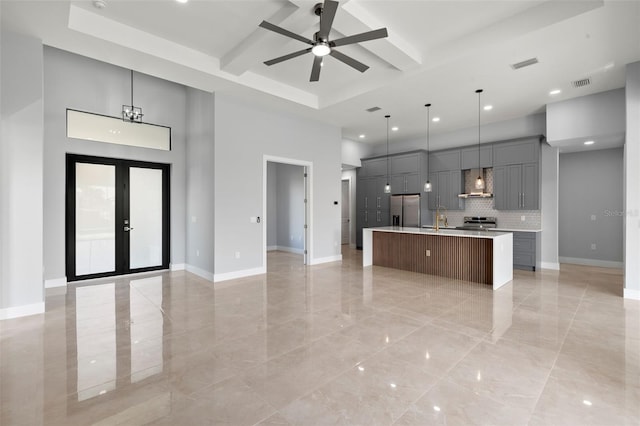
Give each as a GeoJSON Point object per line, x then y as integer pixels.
{"type": "Point", "coordinates": [129, 112]}
{"type": "Point", "coordinates": [387, 187]}
{"type": "Point", "coordinates": [427, 184]}
{"type": "Point", "coordinates": [479, 180]}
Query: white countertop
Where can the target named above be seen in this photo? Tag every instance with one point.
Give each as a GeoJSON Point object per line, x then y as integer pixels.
{"type": "Point", "coordinates": [444, 232]}
{"type": "Point", "coordinates": [494, 229]}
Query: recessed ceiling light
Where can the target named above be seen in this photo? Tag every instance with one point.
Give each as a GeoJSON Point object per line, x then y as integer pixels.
{"type": "Point", "coordinates": [555, 92]}
{"type": "Point", "coordinates": [182, 1]}
{"type": "Point", "coordinates": [435, 119]}
{"type": "Point", "coordinates": [488, 107]}
{"type": "Point", "coordinates": [394, 129]}
{"type": "Point", "coordinates": [589, 142]}
{"type": "Point", "coordinates": [362, 136]}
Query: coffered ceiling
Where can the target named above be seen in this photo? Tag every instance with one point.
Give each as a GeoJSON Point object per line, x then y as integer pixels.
{"type": "Point", "coordinates": [437, 51]}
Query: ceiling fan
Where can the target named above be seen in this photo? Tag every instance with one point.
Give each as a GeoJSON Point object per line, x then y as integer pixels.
{"type": "Point", "coordinates": [321, 45]}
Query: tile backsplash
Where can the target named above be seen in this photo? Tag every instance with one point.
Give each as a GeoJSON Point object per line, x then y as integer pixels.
{"type": "Point", "coordinates": [484, 207]}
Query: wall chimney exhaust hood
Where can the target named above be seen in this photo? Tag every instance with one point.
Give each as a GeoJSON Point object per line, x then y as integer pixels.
{"type": "Point", "coordinates": [469, 183]}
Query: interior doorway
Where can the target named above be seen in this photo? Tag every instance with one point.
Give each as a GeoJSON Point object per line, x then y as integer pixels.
{"type": "Point", "coordinates": [345, 212]}
{"type": "Point", "coordinates": [286, 200]}
{"type": "Point", "coordinates": [117, 217]}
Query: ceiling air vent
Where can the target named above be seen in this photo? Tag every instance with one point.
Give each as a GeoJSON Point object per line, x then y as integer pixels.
{"type": "Point", "coordinates": [524, 63]}
{"type": "Point", "coordinates": [373, 109]}
{"type": "Point", "coordinates": [581, 83]}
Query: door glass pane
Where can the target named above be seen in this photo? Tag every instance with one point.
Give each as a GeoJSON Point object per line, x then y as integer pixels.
{"type": "Point", "coordinates": [145, 217]}
{"type": "Point", "coordinates": [95, 218]}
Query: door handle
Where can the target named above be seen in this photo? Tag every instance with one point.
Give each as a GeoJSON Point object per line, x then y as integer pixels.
{"type": "Point", "coordinates": [523, 200]}
{"type": "Point", "coordinates": [127, 229]}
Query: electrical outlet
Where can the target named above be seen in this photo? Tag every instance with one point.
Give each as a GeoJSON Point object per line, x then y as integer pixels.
{"type": "Point", "coordinates": [237, 255]}
{"type": "Point", "coordinates": [593, 217]}
{"type": "Point", "coordinates": [428, 253]}
{"type": "Point", "coordinates": [194, 219]}
{"type": "Point", "coordinates": [593, 246]}
{"type": "Point", "coordinates": [522, 218]}
{"type": "Point", "coordinates": [197, 253]}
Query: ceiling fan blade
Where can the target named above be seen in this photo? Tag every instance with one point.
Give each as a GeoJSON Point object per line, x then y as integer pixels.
{"type": "Point", "coordinates": [287, 57]}
{"type": "Point", "coordinates": [326, 18]}
{"type": "Point", "coordinates": [276, 29]}
{"type": "Point", "coordinates": [315, 70]}
{"type": "Point", "coordinates": [349, 61]}
{"type": "Point", "coordinates": [358, 38]}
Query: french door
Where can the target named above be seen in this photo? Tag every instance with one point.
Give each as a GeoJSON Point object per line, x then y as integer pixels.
{"type": "Point", "coordinates": [117, 217]}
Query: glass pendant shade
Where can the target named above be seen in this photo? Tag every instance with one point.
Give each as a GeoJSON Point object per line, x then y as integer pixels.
{"type": "Point", "coordinates": [479, 183]}
{"type": "Point", "coordinates": [387, 188]}
{"type": "Point", "coordinates": [427, 186]}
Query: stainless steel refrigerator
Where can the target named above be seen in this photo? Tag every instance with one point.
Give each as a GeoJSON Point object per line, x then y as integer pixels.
{"type": "Point", "coordinates": [405, 210]}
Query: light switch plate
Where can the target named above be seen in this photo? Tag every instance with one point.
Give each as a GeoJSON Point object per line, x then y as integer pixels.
{"type": "Point", "coordinates": [593, 217]}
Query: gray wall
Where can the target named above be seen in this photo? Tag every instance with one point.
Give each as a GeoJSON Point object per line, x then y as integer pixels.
{"type": "Point", "coordinates": [72, 81]}
{"type": "Point", "coordinates": [591, 184]}
{"type": "Point", "coordinates": [21, 179]}
{"type": "Point", "coordinates": [549, 187]}
{"type": "Point", "coordinates": [199, 181]}
{"type": "Point", "coordinates": [290, 214]}
{"type": "Point", "coordinates": [632, 184]}
{"type": "Point", "coordinates": [244, 136]}
{"type": "Point", "coordinates": [600, 114]}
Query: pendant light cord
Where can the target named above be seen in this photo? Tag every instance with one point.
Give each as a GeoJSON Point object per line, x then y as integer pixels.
{"type": "Point", "coordinates": [387, 117]}
{"type": "Point", "coordinates": [131, 90]}
{"type": "Point", "coordinates": [428, 106]}
{"type": "Point", "coordinates": [479, 92]}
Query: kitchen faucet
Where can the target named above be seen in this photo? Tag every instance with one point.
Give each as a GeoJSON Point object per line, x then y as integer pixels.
{"type": "Point", "coordinates": [438, 219]}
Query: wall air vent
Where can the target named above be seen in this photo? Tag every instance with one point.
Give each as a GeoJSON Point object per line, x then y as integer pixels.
{"type": "Point", "coordinates": [581, 83]}
{"type": "Point", "coordinates": [373, 109]}
{"type": "Point", "coordinates": [524, 63]}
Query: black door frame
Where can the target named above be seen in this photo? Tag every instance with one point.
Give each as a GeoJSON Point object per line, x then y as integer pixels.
{"type": "Point", "coordinates": [121, 211]}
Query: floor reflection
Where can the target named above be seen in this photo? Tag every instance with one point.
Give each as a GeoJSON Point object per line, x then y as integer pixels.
{"type": "Point", "coordinates": [326, 344]}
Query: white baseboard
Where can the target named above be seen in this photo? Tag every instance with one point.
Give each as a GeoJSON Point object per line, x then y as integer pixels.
{"type": "Point", "coordinates": [177, 266]}
{"type": "Point", "coordinates": [21, 311]}
{"type": "Point", "coordinates": [199, 272]}
{"type": "Point", "coordinates": [55, 282]}
{"type": "Point", "coordinates": [320, 260]}
{"type": "Point", "coordinates": [550, 265]}
{"type": "Point", "coordinates": [239, 274]}
{"type": "Point", "coordinates": [591, 262]}
{"type": "Point", "coordinates": [630, 293]}
{"type": "Point", "coordinates": [285, 248]}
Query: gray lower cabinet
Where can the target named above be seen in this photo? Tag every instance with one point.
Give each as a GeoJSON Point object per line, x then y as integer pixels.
{"type": "Point", "coordinates": [526, 250]}
{"type": "Point", "coordinates": [446, 187]}
{"type": "Point", "coordinates": [516, 187]}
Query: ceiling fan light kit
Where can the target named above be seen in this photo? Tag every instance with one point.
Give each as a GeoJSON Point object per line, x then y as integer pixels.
{"type": "Point", "coordinates": [321, 45]}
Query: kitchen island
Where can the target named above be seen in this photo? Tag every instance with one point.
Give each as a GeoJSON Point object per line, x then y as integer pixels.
{"type": "Point", "coordinates": [478, 256]}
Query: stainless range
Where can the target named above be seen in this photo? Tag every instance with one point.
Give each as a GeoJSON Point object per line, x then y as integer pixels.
{"type": "Point", "coordinates": [479, 223]}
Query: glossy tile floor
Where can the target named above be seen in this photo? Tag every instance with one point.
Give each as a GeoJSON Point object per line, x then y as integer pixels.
{"type": "Point", "coordinates": [329, 344]}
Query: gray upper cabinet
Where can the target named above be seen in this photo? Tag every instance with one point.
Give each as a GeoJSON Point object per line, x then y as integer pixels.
{"type": "Point", "coordinates": [444, 160]}
{"type": "Point", "coordinates": [516, 187]}
{"type": "Point", "coordinates": [375, 167]}
{"type": "Point", "coordinates": [446, 187]}
{"type": "Point", "coordinates": [405, 163]}
{"type": "Point", "coordinates": [469, 157]}
{"type": "Point", "coordinates": [516, 152]}
{"type": "Point", "coordinates": [408, 183]}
